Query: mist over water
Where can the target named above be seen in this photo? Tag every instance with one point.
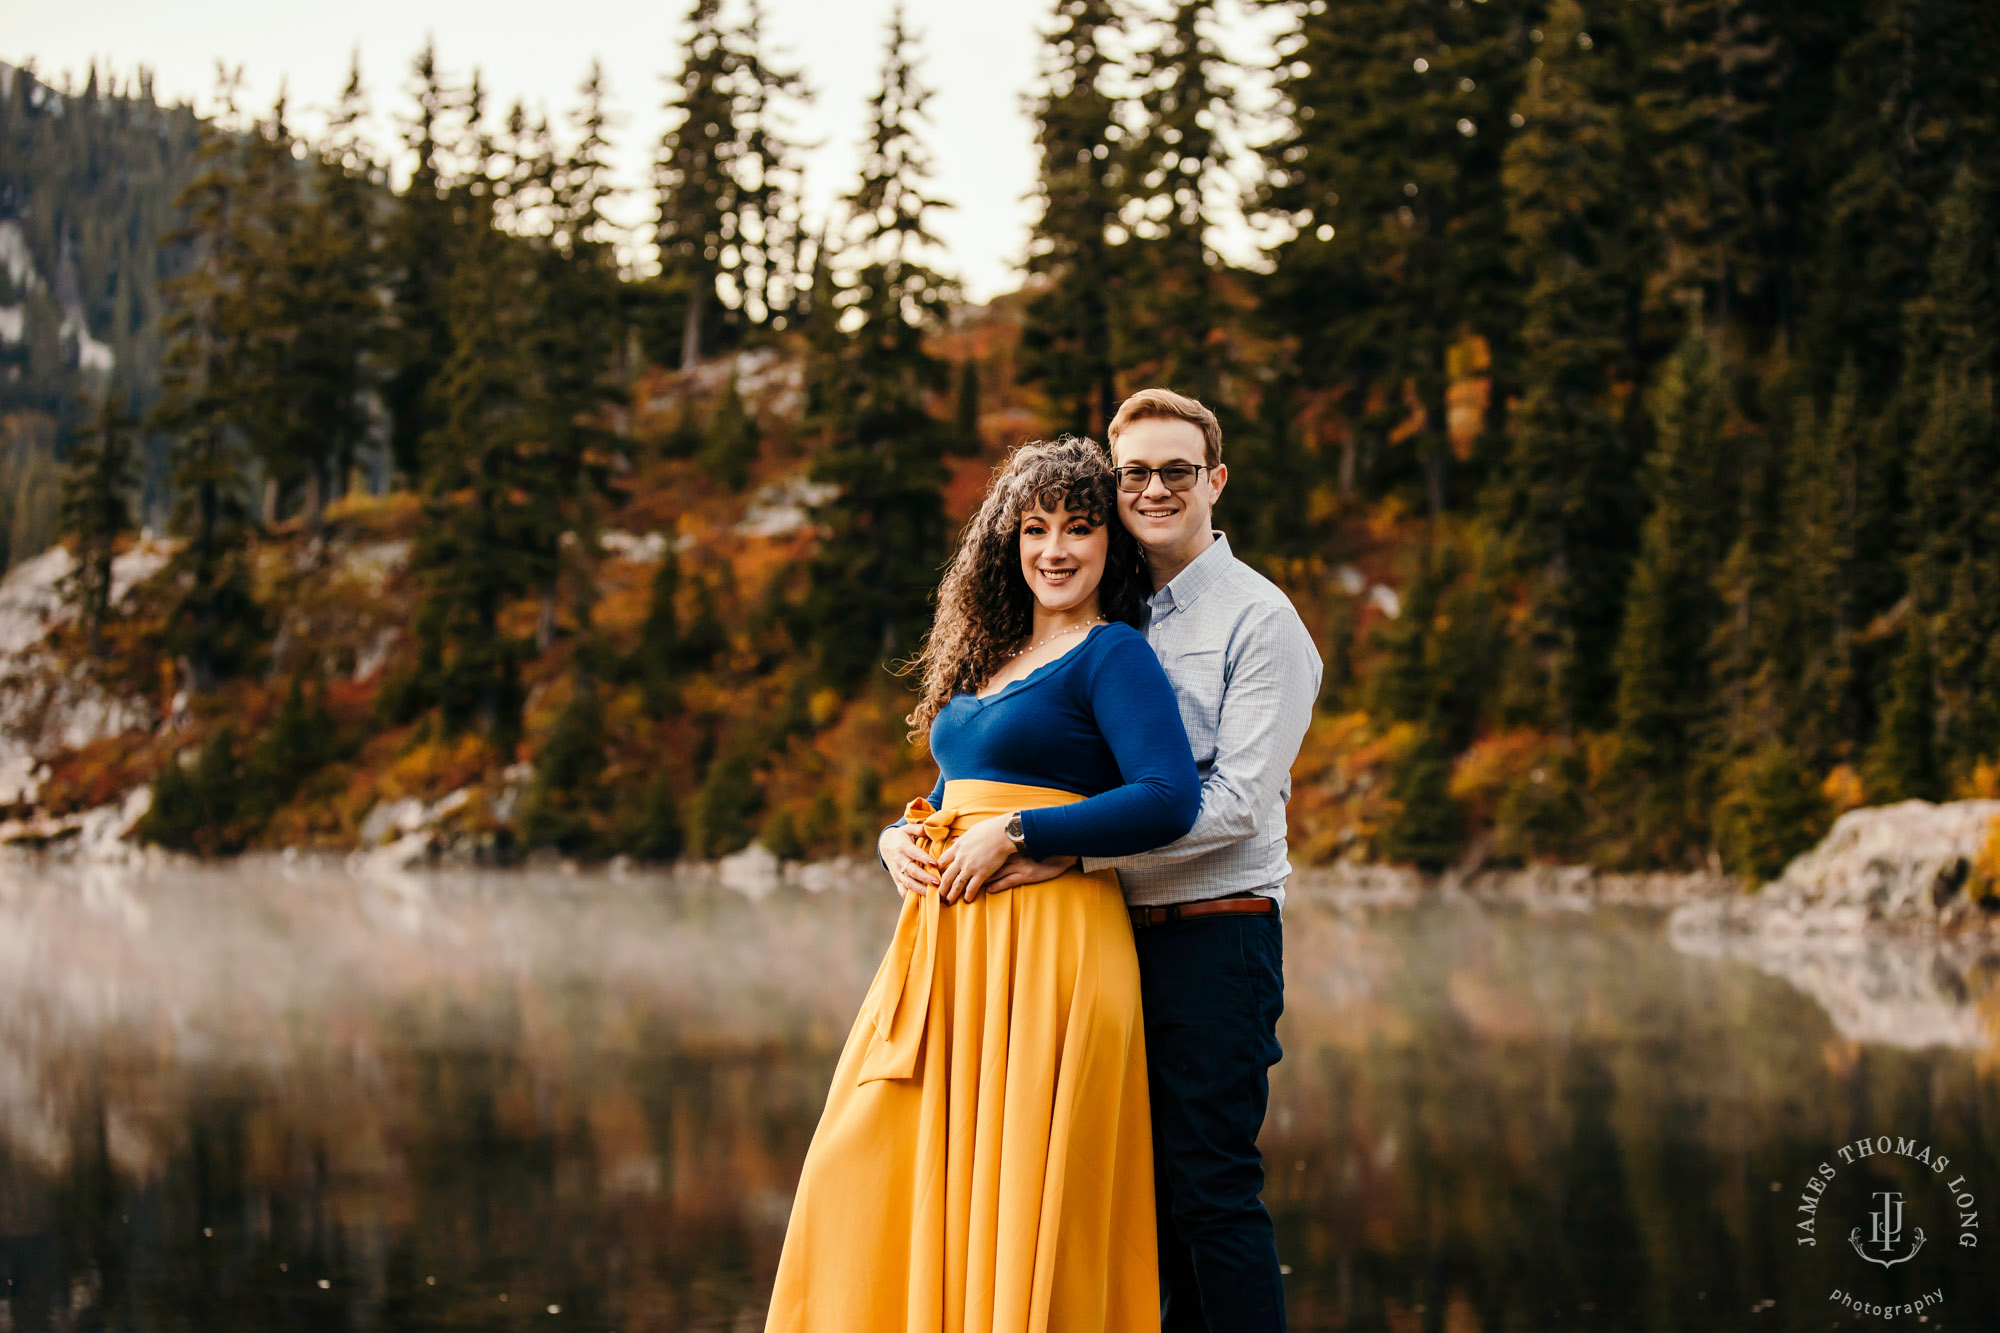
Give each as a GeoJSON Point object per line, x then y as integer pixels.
{"type": "Point", "coordinates": [272, 1096]}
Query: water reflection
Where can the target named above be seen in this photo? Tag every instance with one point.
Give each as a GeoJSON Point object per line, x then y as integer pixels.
{"type": "Point", "coordinates": [290, 1097]}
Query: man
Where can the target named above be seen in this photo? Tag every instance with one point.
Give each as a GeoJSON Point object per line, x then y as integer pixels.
{"type": "Point", "coordinates": [1205, 910]}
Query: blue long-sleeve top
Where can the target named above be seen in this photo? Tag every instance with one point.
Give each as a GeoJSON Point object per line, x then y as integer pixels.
{"type": "Point", "coordinates": [1100, 721]}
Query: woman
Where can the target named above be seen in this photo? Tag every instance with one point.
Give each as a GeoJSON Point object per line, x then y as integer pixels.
{"type": "Point", "coordinates": [984, 1162]}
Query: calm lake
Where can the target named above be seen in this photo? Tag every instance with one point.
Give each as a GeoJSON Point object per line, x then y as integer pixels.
{"type": "Point", "coordinates": [288, 1097]}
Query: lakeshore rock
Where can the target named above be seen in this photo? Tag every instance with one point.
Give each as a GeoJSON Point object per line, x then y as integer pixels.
{"type": "Point", "coordinates": [1874, 923]}
{"type": "Point", "coordinates": [1903, 866]}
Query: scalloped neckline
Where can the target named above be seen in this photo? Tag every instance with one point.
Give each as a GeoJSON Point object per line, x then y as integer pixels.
{"type": "Point", "coordinates": [1038, 672]}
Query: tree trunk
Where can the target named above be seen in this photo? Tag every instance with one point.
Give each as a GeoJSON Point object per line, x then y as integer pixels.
{"type": "Point", "coordinates": [691, 330]}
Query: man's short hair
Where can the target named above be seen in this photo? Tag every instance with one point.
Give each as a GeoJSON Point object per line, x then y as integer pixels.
{"type": "Point", "coordinates": [1165, 404]}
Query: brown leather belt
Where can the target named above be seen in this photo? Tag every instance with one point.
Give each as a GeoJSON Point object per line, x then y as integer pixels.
{"type": "Point", "coordinates": [1241, 904]}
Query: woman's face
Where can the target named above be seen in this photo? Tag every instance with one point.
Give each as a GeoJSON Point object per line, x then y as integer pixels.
{"type": "Point", "coordinates": [1062, 558]}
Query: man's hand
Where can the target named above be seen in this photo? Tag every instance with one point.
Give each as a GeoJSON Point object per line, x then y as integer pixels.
{"type": "Point", "coordinates": [910, 863]}
{"type": "Point", "coordinates": [1017, 870]}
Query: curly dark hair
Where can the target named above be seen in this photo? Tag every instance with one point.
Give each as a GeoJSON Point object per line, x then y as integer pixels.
{"type": "Point", "coordinates": [985, 611]}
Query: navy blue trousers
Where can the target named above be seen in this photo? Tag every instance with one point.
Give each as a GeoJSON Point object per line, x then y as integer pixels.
{"type": "Point", "coordinates": [1213, 989]}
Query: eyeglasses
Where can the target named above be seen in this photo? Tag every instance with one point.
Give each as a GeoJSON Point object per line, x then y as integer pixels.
{"type": "Point", "coordinates": [1177, 476]}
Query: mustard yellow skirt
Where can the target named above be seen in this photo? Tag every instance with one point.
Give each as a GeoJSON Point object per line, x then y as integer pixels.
{"type": "Point", "coordinates": [985, 1160]}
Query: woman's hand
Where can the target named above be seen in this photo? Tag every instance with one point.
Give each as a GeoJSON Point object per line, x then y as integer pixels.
{"type": "Point", "coordinates": [973, 857]}
{"type": "Point", "coordinates": [910, 863]}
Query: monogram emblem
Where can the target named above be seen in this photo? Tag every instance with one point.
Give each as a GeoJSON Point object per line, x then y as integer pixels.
{"type": "Point", "coordinates": [1885, 1231]}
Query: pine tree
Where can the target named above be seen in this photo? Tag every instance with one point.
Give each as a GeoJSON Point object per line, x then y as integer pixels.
{"type": "Point", "coordinates": [576, 342]}
{"type": "Point", "coordinates": [769, 183]}
{"type": "Point", "coordinates": [567, 795]}
{"type": "Point", "coordinates": [1712, 94]}
{"type": "Point", "coordinates": [695, 181]}
{"type": "Point", "coordinates": [420, 250]}
{"type": "Point", "coordinates": [336, 276]}
{"type": "Point", "coordinates": [1566, 497]}
{"type": "Point", "coordinates": [1176, 170]}
{"type": "Point", "coordinates": [885, 533]}
{"type": "Point", "coordinates": [651, 826]}
{"type": "Point", "coordinates": [1954, 473]}
{"type": "Point", "coordinates": [1665, 697]}
{"type": "Point", "coordinates": [215, 624]}
{"type": "Point", "coordinates": [1388, 173]}
{"type": "Point", "coordinates": [1815, 624]}
{"type": "Point", "coordinates": [1069, 333]}
{"type": "Point", "coordinates": [1903, 761]}
{"type": "Point", "coordinates": [491, 517]}
{"type": "Point", "coordinates": [732, 440]}
{"type": "Point", "coordinates": [1426, 830]}
{"type": "Point", "coordinates": [968, 442]}
{"type": "Point", "coordinates": [658, 657]}
{"type": "Point", "coordinates": [96, 512]}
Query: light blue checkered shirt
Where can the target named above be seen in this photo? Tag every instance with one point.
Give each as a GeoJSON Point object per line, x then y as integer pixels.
{"type": "Point", "coordinates": [1246, 674]}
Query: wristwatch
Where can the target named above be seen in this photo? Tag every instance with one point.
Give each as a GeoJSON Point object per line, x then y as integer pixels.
{"type": "Point", "coordinates": [1015, 833]}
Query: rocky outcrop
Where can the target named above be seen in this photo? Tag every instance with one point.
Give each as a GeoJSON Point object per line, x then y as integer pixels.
{"type": "Point", "coordinates": [1905, 866]}
{"type": "Point", "coordinates": [1876, 923]}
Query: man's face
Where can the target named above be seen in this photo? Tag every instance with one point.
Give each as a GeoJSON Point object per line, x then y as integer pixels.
{"type": "Point", "coordinates": [1164, 520]}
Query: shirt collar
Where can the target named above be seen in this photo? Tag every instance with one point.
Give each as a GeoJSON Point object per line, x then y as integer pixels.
{"type": "Point", "coordinates": [1201, 574]}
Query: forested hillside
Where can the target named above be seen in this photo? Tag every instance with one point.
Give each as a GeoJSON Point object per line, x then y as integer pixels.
{"type": "Point", "coordinates": [88, 179]}
{"type": "Point", "coordinates": [1614, 394]}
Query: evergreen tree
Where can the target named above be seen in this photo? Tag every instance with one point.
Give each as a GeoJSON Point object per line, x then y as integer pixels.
{"type": "Point", "coordinates": [1709, 103]}
{"type": "Point", "coordinates": [1814, 625]}
{"type": "Point", "coordinates": [96, 512]}
{"type": "Point", "coordinates": [1425, 829]}
{"type": "Point", "coordinates": [651, 828]}
{"type": "Point", "coordinates": [1903, 762]}
{"type": "Point", "coordinates": [885, 533]}
{"type": "Point", "coordinates": [1566, 496]}
{"type": "Point", "coordinates": [695, 181]}
{"type": "Point", "coordinates": [420, 249]}
{"type": "Point", "coordinates": [1388, 173]}
{"type": "Point", "coordinates": [576, 342]}
{"type": "Point", "coordinates": [562, 804]}
{"type": "Point", "coordinates": [1177, 169]}
{"type": "Point", "coordinates": [337, 274]}
{"type": "Point", "coordinates": [969, 442]}
{"type": "Point", "coordinates": [280, 298]}
{"type": "Point", "coordinates": [725, 806]}
{"type": "Point", "coordinates": [215, 623]}
{"type": "Point", "coordinates": [1069, 333]}
{"type": "Point", "coordinates": [1771, 812]}
{"type": "Point", "coordinates": [769, 184]}
{"type": "Point", "coordinates": [1954, 474]}
{"type": "Point", "coordinates": [657, 659]}
{"type": "Point", "coordinates": [1665, 697]}
{"type": "Point", "coordinates": [732, 440]}
{"type": "Point", "coordinates": [491, 521]}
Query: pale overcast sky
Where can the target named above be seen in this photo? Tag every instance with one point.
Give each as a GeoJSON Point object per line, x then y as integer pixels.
{"type": "Point", "coordinates": [980, 58]}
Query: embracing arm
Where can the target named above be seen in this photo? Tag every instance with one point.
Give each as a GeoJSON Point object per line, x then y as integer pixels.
{"type": "Point", "coordinates": [1267, 703]}
{"type": "Point", "coordinates": [1135, 711]}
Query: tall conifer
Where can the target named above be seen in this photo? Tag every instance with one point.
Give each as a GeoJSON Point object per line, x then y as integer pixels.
{"type": "Point", "coordinates": [886, 532]}
{"type": "Point", "coordinates": [1566, 494]}
{"type": "Point", "coordinates": [97, 511]}
{"type": "Point", "coordinates": [1069, 333]}
{"type": "Point", "coordinates": [215, 623]}
{"type": "Point", "coordinates": [1665, 698]}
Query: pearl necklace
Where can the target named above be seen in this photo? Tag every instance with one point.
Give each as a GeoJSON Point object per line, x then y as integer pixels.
{"type": "Point", "coordinates": [1094, 620]}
